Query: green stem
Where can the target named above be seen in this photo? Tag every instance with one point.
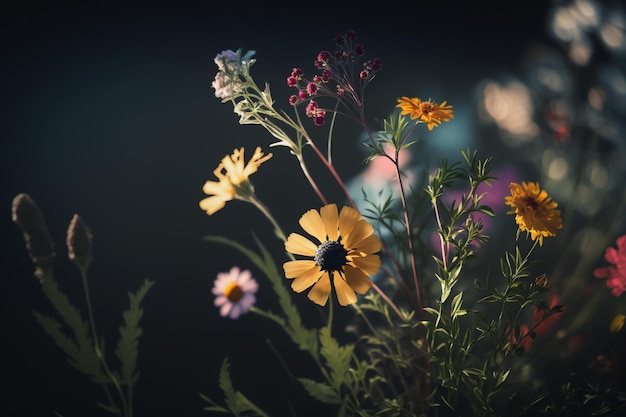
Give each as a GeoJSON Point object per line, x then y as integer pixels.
{"type": "Point", "coordinates": [257, 203]}
{"type": "Point", "coordinates": [127, 410]}
{"type": "Point", "coordinates": [388, 300]}
{"type": "Point", "coordinates": [409, 232]}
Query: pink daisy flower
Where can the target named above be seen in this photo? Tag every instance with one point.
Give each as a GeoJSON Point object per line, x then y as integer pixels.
{"type": "Point", "coordinates": [234, 292]}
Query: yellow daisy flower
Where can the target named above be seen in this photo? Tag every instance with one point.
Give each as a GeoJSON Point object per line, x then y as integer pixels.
{"type": "Point", "coordinates": [535, 212]}
{"type": "Point", "coordinates": [232, 175]}
{"type": "Point", "coordinates": [344, 255]}
{"type": "Point", "coordinates": [426, 111]}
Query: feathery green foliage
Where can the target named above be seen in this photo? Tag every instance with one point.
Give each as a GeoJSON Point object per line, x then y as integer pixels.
{"type": "Point", "coordinates": [78, 346]}
{"type": "Point", "coordinates": [237, 404]}
{"type": "Point", "coordinates": [127, 347]}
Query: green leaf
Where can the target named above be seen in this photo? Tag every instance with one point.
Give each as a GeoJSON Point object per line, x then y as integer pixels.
{"type": "Point", "coordinates": [227, 386]}
{"type": "Point", "coordinates": [456, 306]}
{"type": "Point", "coordinates": [320, 391]}
{"type": "Point", "coordinates": [337, 357]}
{"type": "Point", "coordinates": [126, 349]}
{"type": "Point", "coordinates": [53, 328]}
{"type": "Point", "coordinates": [236, 403]}
{"type": "Point", "coordinates": [81, 353]}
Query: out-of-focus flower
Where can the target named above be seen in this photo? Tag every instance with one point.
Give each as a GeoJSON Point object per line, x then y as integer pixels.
{"type": "Point", "coordinates": [426, 111]}
{"type": "Point", "coordinates": [233, 182]}
{"type": "Point", "coordinates": [511, 108]}
{"type": "Point", "coordinates": [535, 212]}
{"type": "Point", "coordinates": [234, 292]}
{"type": "Point", "coordinates": [78, 242]}
{"type": "Point", "coordinates": [27, 215]}
{"type": "Point", "coordinates": [344, 254]}
{"type": "Point", "coordinates": [616, 273]}
{"type": "Point", "coordinates": [617, 323]}
{"type": "Point", "coordinates": [525, 336]}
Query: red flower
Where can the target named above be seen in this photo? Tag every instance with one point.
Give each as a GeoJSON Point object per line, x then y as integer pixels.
{"type": "Point", "coordinates": [616, 273]}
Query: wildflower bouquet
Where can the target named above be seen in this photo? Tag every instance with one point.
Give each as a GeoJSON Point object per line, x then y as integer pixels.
{"type": "Point", "coordinates": [441, 284]}
{"type": "Point", "coordinates": [433, 331]}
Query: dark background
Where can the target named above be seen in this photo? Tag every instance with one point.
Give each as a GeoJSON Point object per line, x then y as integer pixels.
{"type": "Point", "coordinates": [108, 112]}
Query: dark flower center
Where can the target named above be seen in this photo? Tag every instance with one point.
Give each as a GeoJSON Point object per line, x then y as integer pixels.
{"type": "Point", "coordinates": [233, 292]}
{"type": "Point", "coordinates": [531, 205]}
{"type": "Point", "coordinates": [331, 256]}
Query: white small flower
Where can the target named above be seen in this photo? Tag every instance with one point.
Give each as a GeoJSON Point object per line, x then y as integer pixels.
{"type": "Point", "coordinates": [234, 292]}
{"type": "Point", "coordinates": [224, 86]}
{"type": "Point", "coordinates": [230, 64]}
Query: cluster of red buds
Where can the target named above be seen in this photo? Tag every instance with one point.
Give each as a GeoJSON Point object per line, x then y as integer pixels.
{"type": "Point", "coordinates": [342, 77]}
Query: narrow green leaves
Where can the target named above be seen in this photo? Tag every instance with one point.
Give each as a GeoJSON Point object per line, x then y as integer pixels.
{"type": "Point", "coordinates": [126, 349]}
{"type": "Point", "coordinates": [320, 391]}
{"type": "Point", "coordinates": [79, 346]}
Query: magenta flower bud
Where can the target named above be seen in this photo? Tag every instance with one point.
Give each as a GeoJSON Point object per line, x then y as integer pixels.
{"type": "Point", "coordinates": [323, 56]}
{"type": "Point", "coordinates": [319, 119]}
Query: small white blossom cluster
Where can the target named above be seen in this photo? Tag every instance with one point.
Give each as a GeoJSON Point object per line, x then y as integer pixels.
{"type": "Point", "coordinates": [230, 65]}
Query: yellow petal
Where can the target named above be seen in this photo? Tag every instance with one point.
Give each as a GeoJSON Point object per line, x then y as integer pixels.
{"type": "Point", "coordinates": [307, 279]}
{"type": "Point", "coordinates": [370, 244]}
{"type": "Point", "coordinates": [361, 230]}
{"type": "Point", "coordinates": [218, 188]}
{"type": "Point", "coordinates": [617, 323]}
{"type": "Point", "coordinates": [330, 217]}
{"type": "Point", "coordinates": [348, 218]}
{"type": "Point", "coordinates": [312, 223]}
{"type": "Point", "coordinates": [357, 280]}
{"type": "Point", "coordinates": [345, 294]}
{"type": "Point", "coordinates": [294, 269]}
{"type": "Point", "coordinates": [213, 204]}
{"type": "Point", "coordinates": [369, 264]}
{"type": "Point", "coordinates": [320, 291]}
{"type": "Point", "coordinates": [300, 245]}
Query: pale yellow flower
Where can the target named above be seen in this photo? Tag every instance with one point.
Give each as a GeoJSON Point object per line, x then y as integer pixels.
{"type": "Point", "coordinates": [232, 174]}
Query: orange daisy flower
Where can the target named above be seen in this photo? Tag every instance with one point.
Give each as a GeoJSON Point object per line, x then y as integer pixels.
{"type": "Point", "coordinates": [426, 111]}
